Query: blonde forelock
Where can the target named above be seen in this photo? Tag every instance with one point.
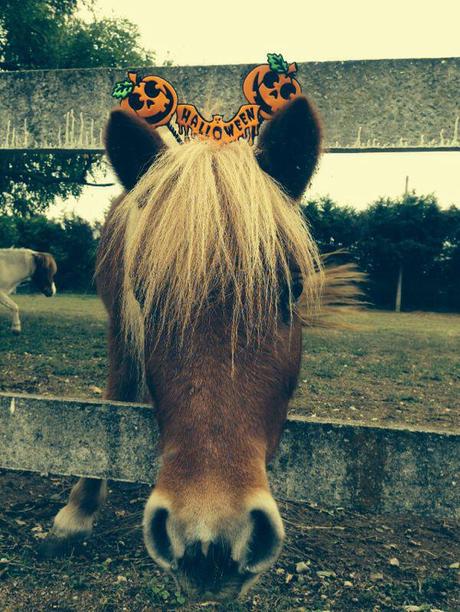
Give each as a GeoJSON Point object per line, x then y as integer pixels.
{"type": "Point", "coordinates": [205, 223]}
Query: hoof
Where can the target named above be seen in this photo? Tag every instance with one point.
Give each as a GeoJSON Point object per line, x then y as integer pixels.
{"type": "Point", "coordinates": [54, 548]}
{"type": "Point", "coordinates": [16, 331]}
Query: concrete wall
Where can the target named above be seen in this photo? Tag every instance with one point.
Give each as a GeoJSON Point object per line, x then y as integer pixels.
{"type": "Point", "coordinates": [379, 104]}
{"type": "Point", "coordinates": [334, 464]}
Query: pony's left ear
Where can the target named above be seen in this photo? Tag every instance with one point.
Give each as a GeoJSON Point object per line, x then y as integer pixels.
{"type": "Point", "coordinates": [289, 146]}
{"type": "Point", "coordinates": [132, 146]}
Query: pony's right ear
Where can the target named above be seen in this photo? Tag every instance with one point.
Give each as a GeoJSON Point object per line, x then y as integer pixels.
{"type": "Point", "coordinates": [289, 146]}
{"type": "Point", "coordinates": [132, 146]}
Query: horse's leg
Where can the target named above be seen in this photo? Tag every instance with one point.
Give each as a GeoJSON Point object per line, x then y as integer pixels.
{"type": "Point", "coordinates": [74, 522]}
{"type": "Point", "coordinates": [6, 301]}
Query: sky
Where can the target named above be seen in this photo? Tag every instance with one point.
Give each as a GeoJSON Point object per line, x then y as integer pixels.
{"type": "Point", "coordinates": [241, 31]}
{"type": "Point", "coordinates": [205, 32]}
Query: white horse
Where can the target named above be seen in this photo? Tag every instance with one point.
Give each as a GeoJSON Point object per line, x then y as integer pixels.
{"type": "Point", "coordinates": [18, 265]}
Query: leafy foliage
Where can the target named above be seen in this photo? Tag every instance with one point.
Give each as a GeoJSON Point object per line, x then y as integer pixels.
{"type": "Point", "coordinates": [412, 232]}
{"type": "Point", "coordinates": [107, 42]}
{"type": "Point", "coordinates": [33, 32]}
{"type": "Point", "coordinates": [9, 235]}
{"type": "Point", "coordinates": [407, 233]}
{"type": "Point", "coordinates": [30, 182]}
{"type": "Point", "coordinates": [44, 34]}
{"type": "Point", "coordinates": [333, 227]}
{"type": "Point", "coordinates": [48, 34]}
{"type": "Point", "coordinates": [409, 230]}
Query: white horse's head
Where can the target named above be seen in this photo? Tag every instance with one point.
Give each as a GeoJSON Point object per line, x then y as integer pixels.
{"type": "Point", "coordinates": [44, 273]}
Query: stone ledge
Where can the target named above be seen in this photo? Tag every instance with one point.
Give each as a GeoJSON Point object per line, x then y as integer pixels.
{"type": "Point", "coordinates": [356, 466]}
{"type": "Point", "coordinates": [370, 105]}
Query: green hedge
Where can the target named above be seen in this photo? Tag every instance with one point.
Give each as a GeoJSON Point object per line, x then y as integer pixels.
{"type": "Point", "coordinates": [411, 233]}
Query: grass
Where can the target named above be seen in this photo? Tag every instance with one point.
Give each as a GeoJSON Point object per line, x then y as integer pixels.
{"type": "Point", "coordinates": [62, 349]}
{"type": "Point", "coordinates": [392, 368]}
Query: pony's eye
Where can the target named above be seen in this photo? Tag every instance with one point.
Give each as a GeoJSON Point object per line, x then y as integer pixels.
{"type": "Point", "coordinates": [151, 90]}
{"type": "Point", "coordinates": [287, 90]}
{"type": "Point", "coordinates": [270, 79]}
{"type": "Point", "coordinates": [296, 292]}
{"type": "Point", "coordinates": [296, 288]}
{"type": "Point", "coordinates": [135, 102]}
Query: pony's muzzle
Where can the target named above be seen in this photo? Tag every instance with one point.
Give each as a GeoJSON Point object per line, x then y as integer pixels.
{"type": "Point", "coordinates": [49, 291]}
{"type": "Point", "coordinates": [214, 554]}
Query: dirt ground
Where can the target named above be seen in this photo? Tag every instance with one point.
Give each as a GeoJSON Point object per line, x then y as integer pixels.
{"type": "Point", "coordinates": [350, 561]}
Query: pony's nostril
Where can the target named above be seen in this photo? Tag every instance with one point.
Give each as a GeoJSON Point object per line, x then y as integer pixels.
{"type": "Point", "coordinates": [160, 540]}
{"type": "Point", "coordinates": [265, 542]}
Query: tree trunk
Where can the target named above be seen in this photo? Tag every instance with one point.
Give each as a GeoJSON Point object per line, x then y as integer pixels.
{"type": "Point", "coordinates": [399, 290]}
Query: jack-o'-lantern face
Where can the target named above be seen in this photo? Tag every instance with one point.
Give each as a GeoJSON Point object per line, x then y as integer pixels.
{"type": "Point", "coordinates": [152, 98]}
{"type": "Point", "coordinates": [271, 89]}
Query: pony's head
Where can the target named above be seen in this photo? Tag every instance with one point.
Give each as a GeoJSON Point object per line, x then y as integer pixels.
{"type": "Point", "coordinates": [45, 269]}
{"type": "Point", "coordinates": [215, 254]}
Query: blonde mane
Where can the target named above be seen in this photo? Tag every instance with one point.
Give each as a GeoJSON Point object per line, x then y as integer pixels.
{"type": "Point", "coordinates": [206, 225]}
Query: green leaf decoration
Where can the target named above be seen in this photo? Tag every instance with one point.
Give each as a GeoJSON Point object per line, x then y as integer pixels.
{"type": "Point", "coordinates": [122, 89]}
{"type": "Point", "coordinates": [277, 63]}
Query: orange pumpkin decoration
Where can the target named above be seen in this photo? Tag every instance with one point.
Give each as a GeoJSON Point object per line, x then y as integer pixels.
{"type": "Point", "coordinates": [271, 85]}
{"type": "Point", "coordinates": [152, 98]}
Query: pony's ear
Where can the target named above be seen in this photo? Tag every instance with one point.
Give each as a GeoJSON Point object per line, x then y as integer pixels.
{"type": "Point", "coordinates": [40, 260]}
{"type": "Point", "coordinates": [132, 146]}
{"type": "Point", "coordinates": [289, 146]}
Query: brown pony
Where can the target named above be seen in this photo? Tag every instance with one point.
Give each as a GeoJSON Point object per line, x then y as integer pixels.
{"type": "Point", "coordinates": [201, 263]}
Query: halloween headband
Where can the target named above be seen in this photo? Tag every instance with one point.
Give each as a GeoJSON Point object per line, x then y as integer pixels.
{"type": "Point", "coordinates": [266, 87]}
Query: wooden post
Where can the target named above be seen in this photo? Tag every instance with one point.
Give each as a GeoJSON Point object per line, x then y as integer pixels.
{"type": "Point", "coordinates": [399, 289]}
{"type": "Point", "coordinates": [400, 273]}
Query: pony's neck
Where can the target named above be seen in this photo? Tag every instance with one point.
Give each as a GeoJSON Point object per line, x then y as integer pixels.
{"type": "Point", "coordinates": [16, 265]}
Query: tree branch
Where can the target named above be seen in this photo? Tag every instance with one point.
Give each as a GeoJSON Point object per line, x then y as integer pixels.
{"type": "Point", "coordinates": [47, 180]}
{"type": "Point", "coordinates": [97, 184]}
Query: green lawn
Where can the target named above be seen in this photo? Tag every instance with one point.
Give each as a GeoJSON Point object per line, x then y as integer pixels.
{"type": "Point", "coordinates": [392, 368]}
{"type": "Point", "coordinates": [62, 348]}
{"type": "Point", "coordinates": [389, 368]}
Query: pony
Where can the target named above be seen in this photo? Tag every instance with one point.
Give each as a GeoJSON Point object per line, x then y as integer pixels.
{"type": "Point", "coordinates": [18, 265]}
{"type": "Point", "coordinates": [201, 267]}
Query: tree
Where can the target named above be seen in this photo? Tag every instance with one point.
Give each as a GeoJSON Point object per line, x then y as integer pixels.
{"type": "Point", "coordinates": [77, 259]}
{"type": "Point", "coordinates": [107, 42]}
{"type": "Point", "coordinates": [32, 32]}
{"type": "Point", "coordinates": [401, 241]}
{"type": "Point", "coordinates": [8, 233]}
{"type": "Point", "coordinates": [48, 34]}
{"type": "Point", "coordinates": [333, 227]}
{"type": "Point", "coordinates": [30, 182]}
{"type": "Point", "coordinates": [447, 273]}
